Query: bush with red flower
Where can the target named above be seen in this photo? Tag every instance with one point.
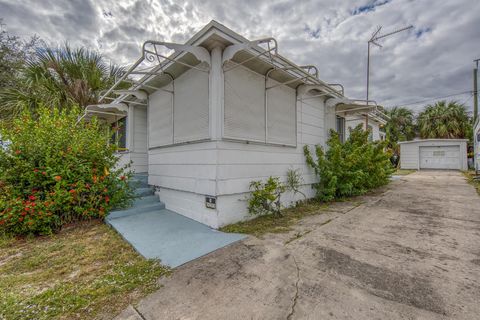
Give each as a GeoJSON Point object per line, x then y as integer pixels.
{"type": "Point", "coordinates": [57, 171]}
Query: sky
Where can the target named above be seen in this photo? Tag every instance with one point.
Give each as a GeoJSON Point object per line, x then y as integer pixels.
{"type": "Point", "coordinates": [433, 59]}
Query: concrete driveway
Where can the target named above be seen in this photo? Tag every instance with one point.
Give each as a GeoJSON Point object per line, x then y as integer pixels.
{"type": "Point", "coordinates": [411, 251]}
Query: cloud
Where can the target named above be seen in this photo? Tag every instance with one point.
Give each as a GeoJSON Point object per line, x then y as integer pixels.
{"type": "Point", "coordinates": [434, 59]}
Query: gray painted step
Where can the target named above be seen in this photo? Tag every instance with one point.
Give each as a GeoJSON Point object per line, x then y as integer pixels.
{"type": "Point", "coordinates": [145, 191]}
{"type": "Point", "coordinates": [138, 202]}
{"type": "Point", "coordinates": [135, 210]}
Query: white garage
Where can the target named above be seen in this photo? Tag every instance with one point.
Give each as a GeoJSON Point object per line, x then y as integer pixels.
{"type": "Point", "coordinates": [450, 154]}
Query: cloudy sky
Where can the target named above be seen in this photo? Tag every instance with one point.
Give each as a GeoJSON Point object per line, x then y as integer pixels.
{"type": "Point", "coordinates": [434, 59]}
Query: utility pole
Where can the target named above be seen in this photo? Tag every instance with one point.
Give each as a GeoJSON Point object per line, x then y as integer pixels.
{"type": "Point", "coordinates": [373, 40]}
{"type": "Point", "coordinates": [475, 91]}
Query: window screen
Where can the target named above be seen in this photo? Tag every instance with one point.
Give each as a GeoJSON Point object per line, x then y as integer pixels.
{"type": "Point", "coordinates": [160, 119]}
{"type": "Point", "coordinates": [191, 106]}
{"type": "Point", "coordinates": [281, 114]}
{"type": "Point", "coordinates": [340, 128]}
{"type": "Point", "coordinates": [244, 105]}
{"type": "Point", "coordinates": [119, 136]}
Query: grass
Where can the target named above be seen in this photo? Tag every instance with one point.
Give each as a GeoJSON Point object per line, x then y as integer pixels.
{"type": "Point", "coordinates": [84, 272]}
{"type": "Point", "coordinates": [276, 224]}
{"type": "Point", "coordinates": [403, 172]}
{"type": "Point", "coordinates": [470, 177]}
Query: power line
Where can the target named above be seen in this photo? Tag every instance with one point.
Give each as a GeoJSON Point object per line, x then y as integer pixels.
{"type": "Point", "coordinates": [434, 98]}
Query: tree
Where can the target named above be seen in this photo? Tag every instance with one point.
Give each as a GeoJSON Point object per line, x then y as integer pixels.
{"type": "Point", "coordinates": [60, 77]}
{"type": "Point", "coordinates": [13, 55]}
{"type": "Point", "coordinates": [444, 120]}
{"type": "Point", "coordinates": [400, 127]}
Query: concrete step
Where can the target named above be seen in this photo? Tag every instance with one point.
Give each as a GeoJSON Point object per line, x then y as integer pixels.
{"type": "Point", "coordinates": [142, 192]}
{"type": "Point", "coordinates": [138, 202]}
{"type": "Point", "coordinates": [139, 181]}
{"type": "Point", "coordinates": [152, 207]}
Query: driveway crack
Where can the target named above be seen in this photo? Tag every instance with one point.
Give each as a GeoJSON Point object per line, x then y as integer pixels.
{"type": "Point", "coordinates": [295, 297]}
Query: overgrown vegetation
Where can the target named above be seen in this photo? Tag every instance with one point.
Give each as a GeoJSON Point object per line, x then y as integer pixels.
{"type": "Point", "coordinates": [86, 272]}
{"type": "Point", "coordinates": [294, 182]}
{"type": "Point", "coordinates": [56, 171]}
{"type": "Point", "coordinates": [274, 223]}
{"type": "Point", "coordinates": [350, 168]}
{"type": "Point", "coordinates": [473, 179]}
{"type": "Point", "coordinates": [265, 197]}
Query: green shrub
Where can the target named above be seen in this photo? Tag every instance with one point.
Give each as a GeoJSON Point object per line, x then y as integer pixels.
{"type": "Point", "coordinates": [265, 197]}
{"type": "Point", "coordinates": [55, 171]}
{"type": "Point", "coordinates": [350, 168]}
{"type": "Point", "coordinates": [294, 182]}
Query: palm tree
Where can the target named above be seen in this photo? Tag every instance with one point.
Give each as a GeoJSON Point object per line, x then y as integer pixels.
{"type": "Point", "coordinates": [400, 127]}
{"type": "Point", "coordinates": [60, 77]}
{"type": "Point", "coordinates": [444, 120]}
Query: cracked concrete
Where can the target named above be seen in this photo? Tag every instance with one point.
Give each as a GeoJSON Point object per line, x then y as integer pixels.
{"type": "Point", "coordinates": [409, 251]}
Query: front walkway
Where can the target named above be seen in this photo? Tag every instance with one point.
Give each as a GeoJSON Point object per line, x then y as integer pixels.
{"type": "Point", "coordinates": [412, 251]}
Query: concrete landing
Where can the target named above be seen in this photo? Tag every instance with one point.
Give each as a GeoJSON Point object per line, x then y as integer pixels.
{"type": "Point", "coordinates": [170, 237]}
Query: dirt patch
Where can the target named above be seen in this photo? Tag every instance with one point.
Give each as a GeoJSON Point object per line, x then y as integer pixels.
{"type": "Point", "coordinates": [384, 283]}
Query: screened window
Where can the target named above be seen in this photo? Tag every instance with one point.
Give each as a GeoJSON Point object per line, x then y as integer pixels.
{"type": "Point", "coordinates": [183, 115]}
{"type": "Point", "coordinates": [253, 113]}
{"type": "Point", "coordinates": [244, 105]}
{"type": "Point", "coordinates": [370, 133]}
{"type": "Point", "coordinates": [340, 128]}
{"type": "Point", "coordinates": [119, 136]}
{"type": "Point", "coordinates": [281, 114]}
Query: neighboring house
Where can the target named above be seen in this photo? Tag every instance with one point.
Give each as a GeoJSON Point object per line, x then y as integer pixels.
{"type": "Point", "coordinates": [376, 121]}
{"type": "Point", "coordinates": [476, 144]}
{"type": "Point", "coordinates": [206, 118]}
{"type": "Point", "coordinates": [434, 154]}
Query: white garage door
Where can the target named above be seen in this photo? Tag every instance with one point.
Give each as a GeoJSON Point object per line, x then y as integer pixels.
{"type": "Point", "coordinates": [440, 157]}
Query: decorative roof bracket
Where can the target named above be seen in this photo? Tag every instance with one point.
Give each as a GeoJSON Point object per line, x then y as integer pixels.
{"type": "Point", "coordinates": [230, 51]}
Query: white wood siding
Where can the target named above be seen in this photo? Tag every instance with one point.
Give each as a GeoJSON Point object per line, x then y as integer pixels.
{"type": "Point", "coordinates": [240, 163]}
{"type": "Point", "coordinates": [351, 122]}
{"type": "Point", "coordinates": [190, 167]}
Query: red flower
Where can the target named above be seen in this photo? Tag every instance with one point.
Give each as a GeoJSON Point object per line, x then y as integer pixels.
{"type": "Point", "coordinates": [2, 222]}
{"type": "Point", "coordinates": [72, 191]}
{"type": "Point", "coordinates": [18, 151]}
{"type": "Point", "coordinates": [122, 178]}
{"type": "Point", "coordinates": [58, 178]}
{"type": "Point", "coordinates": [107, 199]}
{"type": "Point", "coordinates": [32, 198]}
{"type": "Point", "coordinates": [20, 219]}
{"type": "Point", "coordinates": [44, 173]}
{"type": "Point", "coordinates": [35, 170]}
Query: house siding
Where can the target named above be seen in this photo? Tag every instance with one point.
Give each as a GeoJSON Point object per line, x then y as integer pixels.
{"type": "Point", "coordinates": [353, 121]}
{"type": "Point", "coordinates": [240, 163]}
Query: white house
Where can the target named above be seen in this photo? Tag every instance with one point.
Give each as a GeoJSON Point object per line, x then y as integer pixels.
{"type": "Point", "coordinates": [374, 120]}
{"type": "Point", "coordinates": [205, 118]}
